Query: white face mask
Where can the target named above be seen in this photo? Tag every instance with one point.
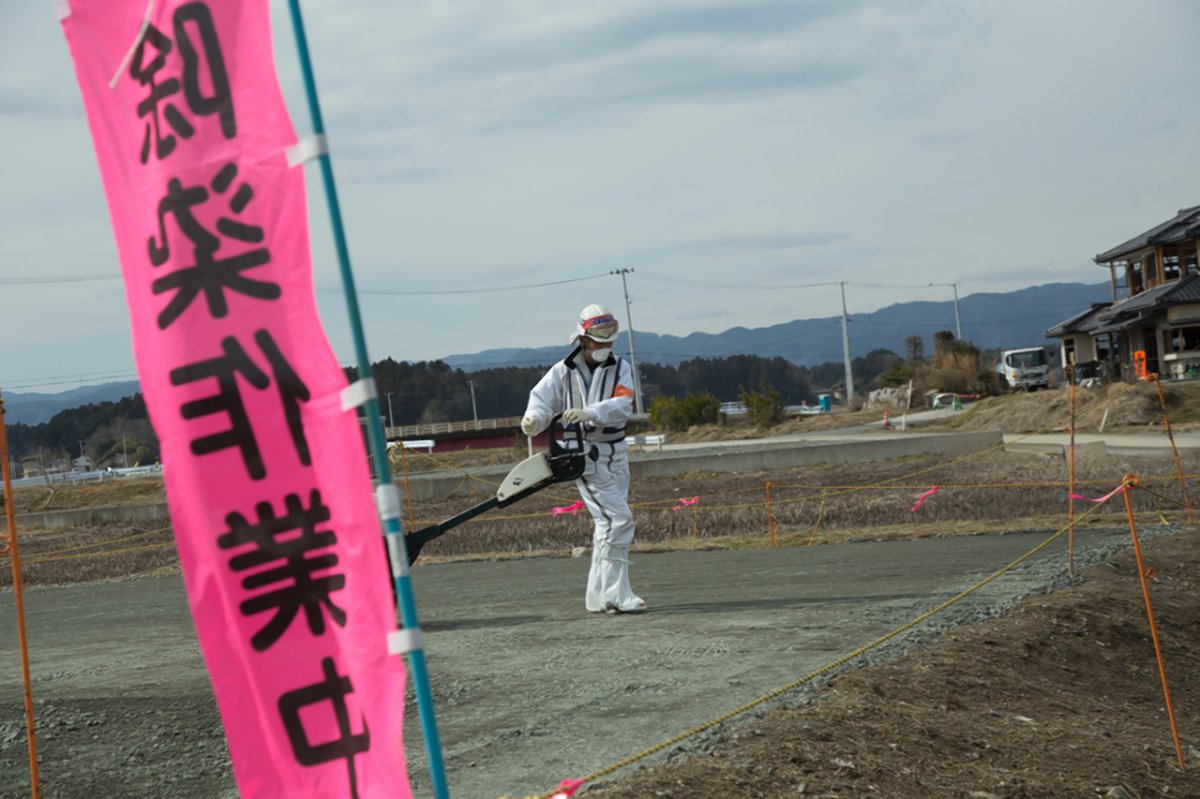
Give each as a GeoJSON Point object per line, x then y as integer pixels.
{"type": "Point", "coordinates": [600, 355]}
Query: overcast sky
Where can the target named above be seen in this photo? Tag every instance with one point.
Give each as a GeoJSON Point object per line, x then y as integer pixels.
{"type": "Point", "coordinates": [726, 152]}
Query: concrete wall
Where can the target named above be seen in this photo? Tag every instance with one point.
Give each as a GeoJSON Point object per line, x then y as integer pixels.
{"type": "Point", "coordinates": [89, 517]}
{"type": "Point", "coordinates": [760, 455]}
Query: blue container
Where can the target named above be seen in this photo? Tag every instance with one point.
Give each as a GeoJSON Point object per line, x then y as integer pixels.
{"type": "Point", "coordinates": [824, 401]}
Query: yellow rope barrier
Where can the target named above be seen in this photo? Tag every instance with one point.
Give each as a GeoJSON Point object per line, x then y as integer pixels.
{"type": "Point", "coordinates": [99, 543]}
{"type": "Point", "coordinates": [101, 554]}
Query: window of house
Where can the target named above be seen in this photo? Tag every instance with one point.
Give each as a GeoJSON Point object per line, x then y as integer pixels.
{"type": "Point", "coordinates": [1134, 277]}
{"type": "Point", "coordinates": [1069, 350]}
{"type": "Point", "coordinates": [1171, 267]}
{"type": "Point", "coordinates": [1182, 339]}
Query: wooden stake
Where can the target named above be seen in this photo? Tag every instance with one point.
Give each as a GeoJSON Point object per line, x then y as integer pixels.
{"type": "Point", "coordinates": [1070, 371]}
{"type": "Point", "coordinates": [1131, 481]}
{"type": "Point", "coordinates": [770, 517]}
{"type": "Point", "coordinates": [9, 542]}
{"type": "Point", "coordinates": [1162, 401]}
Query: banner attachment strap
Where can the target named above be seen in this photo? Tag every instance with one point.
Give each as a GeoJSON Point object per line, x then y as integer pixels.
{"type": "Point", "coordinates": [387, 501]}
{"type": "Point", "coordinates": [401, 642]}
{"type": "Point", "coordinates": [358, 393]}
{"type": "Point", "coordinates": [307, 149]}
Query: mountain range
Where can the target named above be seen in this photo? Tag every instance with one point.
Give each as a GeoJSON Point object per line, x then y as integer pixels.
{"type": "Point", "coordinates": [991, 321]}
{"type": "Point", "coordinates": [35, 408]}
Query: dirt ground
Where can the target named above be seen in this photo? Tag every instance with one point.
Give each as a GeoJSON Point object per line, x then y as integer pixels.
{"type": "Point", "coordinates": [1060, 692]}
{"type": "Point", "coordinates": [1059, 698]}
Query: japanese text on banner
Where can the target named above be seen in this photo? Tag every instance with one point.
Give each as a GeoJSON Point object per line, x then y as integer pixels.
{"type": "Point", "coordinates": [266, 476]}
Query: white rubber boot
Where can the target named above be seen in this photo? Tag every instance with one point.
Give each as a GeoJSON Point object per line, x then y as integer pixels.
{"type": "Point", "coordinates": [615, 591]}
{"type": "Point", "coordinates": [593, 597]}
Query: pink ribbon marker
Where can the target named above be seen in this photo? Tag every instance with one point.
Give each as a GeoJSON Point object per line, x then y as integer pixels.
{"type": "Point", "coordinates": [685, 501]}
{"type": "Point", "coordinates": [569, 787]}
{"type": "Point", "coordinates": [571, 509]}
{"type": "Point", "coordinates": [921, 499]}
{"type": "Point", "coordinates": [1104, 498]}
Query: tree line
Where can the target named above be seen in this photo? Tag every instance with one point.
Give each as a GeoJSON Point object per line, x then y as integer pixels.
{"type": "Point", "coordinates": [119, 433]}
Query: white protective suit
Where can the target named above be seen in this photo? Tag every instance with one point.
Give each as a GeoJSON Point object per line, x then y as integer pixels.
{"type": "Point", "coordinates": [606, 393]}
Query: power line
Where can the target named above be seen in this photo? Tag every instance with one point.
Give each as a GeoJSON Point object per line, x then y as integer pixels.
{"type": "Point", "coordinates": [707, 284]}
{"type": "Point", "coordinates": [477, 290]}
{"type": "Point", "coordinates": [368, 292]}
{"type": "Point", "coordinates": [20, 281]}
{"type": "Point", "coordinates": [59, 380]}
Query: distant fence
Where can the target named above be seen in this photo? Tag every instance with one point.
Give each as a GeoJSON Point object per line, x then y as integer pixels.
{"type": "Point", "coordinates": [98, 476]}
{"type": "Point", "coordinates": [427, 430]}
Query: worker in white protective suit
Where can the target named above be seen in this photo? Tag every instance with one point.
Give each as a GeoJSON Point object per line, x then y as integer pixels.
{"type": "Point", "coordinates": [593, 388]}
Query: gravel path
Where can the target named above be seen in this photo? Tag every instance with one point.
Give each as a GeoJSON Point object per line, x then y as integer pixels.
{"type": "Point", "coordinates": [529, 688]}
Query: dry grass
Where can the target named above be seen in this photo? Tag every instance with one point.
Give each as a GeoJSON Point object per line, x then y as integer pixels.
{"type": "Point", "coordinates": [999, 491]}
{"type": "Point", "coordinates": [119, 491]}
{"type": "Point", "coordinates": [92, 554]}
{"type": "Point", "coordinates": [815, 505]}
{"type": "Point", "coordinates": [1127, 407]}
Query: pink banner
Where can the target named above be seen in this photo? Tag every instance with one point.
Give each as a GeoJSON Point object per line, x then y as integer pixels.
{"type": "Point", "coordinates": [266, 475]}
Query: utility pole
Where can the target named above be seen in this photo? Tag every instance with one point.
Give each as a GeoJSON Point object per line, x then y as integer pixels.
{"type": "Point", "coordinates": [957, 319]}
{"type": "Point", "coordinates": [474, 412]}
{"type": "Point", "coordinates": [846, 349]}
{"type": "Point", "coordinates": [637, 376]}
{"type": "Point", "coordinates": [391, 421]}
{"type": "Point", "coordinates": [124, 451]}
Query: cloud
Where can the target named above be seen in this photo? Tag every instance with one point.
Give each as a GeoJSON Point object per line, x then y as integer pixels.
{"type": "Point", "coordinates": [1062, 270]}
{"type": "Point", "coordinates": [940, 139]}
{"type": "Point", "coordinates": [658, 81]}
{"type": "Point", "coordinates": [582, 37]}
{"type": "Point", "coordinates": [734, 245]}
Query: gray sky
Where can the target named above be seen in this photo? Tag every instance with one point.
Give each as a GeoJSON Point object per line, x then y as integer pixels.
{"type": "Point", "coordinates": [724, 151]}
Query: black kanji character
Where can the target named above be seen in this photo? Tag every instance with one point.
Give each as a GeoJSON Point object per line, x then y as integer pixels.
{"type": "Point", "coordinates": [228, 400]}
{"type": "Point", "coordinates": [144, 70]}
{"type": "Point", "coordinates": [292, 392]}
{"type": "Point", "coordinates": [275, 539]}
{"type": "Point", "coordinates": [334, 688]}
{"type": "Point", "coordinates": [221, 100]}
{"type": "Point", "coordinates": [212, 276]}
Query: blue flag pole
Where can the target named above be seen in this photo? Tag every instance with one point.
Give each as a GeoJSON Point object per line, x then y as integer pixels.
{"type": "Point", "coordinates": [386, 490]}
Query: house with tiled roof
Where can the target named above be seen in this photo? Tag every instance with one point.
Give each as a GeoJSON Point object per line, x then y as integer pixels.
{"type": "Point", "coordinates": [1155, 312]}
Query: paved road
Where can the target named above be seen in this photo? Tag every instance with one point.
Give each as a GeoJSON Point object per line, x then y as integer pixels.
{"type": "Point", "coordinates": [1149, 443]}
{"type": "Point", "coordinates": [1155, 443]}
{"type": "Point", "coordinates": [529, 688]}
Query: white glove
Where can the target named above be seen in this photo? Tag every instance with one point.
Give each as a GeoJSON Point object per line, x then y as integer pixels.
{"type": "Point", "coordinates": [575, 416]}
{"type": "Point", "coordinates": [529, 426]}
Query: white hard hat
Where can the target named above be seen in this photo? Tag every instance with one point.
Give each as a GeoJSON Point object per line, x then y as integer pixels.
{"type": "Point", "coordinates": [597, 323]}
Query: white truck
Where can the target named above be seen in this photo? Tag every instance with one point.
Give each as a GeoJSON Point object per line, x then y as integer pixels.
{"type": "Point", "coordinates": [1026, 369]}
